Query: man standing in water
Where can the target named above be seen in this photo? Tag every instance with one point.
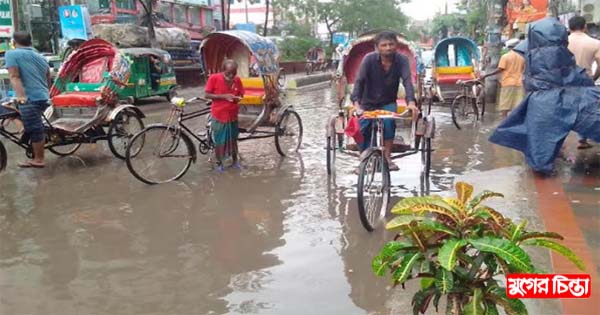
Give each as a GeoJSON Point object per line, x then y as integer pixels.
{"type": "Point", "coordinates": [376, 87]}
{"type": "Point", "coordinates": [225, 89]}
{"type": "Point", "coordinates": [587, 51]}
{"type": "Point", "coordinates": [29, 76]}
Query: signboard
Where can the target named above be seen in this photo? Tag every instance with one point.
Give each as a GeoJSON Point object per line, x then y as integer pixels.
{"type": "Point", "coordinates": [6, 19]}
{"type": "Point", "coordinates": [339, 38]}
{"type": "Point", "coordinates": [245, 27]}
{"type": "Point", "coordinates": [75, 22]}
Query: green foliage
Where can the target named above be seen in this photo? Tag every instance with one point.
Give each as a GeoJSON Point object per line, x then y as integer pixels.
{"type": "Point", "coordinates": [294, 49]}
{"type": "Point", "coordinates": [458, 246]}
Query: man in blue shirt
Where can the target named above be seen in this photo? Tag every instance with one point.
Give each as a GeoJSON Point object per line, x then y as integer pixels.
{"type": "Point", "coordinates": [29, 76]}
{"type": "Point", "coordinates": [376, 87]}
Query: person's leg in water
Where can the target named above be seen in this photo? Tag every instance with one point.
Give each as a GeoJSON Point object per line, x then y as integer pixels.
{"type": "Point", "coordinates": [389, 133]}
{"type": "Point", "coordinates": [31, 115]}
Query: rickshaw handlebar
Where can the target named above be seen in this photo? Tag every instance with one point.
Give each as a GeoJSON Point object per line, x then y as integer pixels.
{"type": "Point", "coordinates": [472, 81]}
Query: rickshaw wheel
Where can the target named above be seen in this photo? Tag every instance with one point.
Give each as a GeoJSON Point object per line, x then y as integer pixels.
{"type": "Point", "coordinates": [160, 154]}
{"type": "Point", "coordinates": [373, 189]}
{"type": "Point", "coordinates": [65, 150]}
{"type": "Point", "coordinates": [288, 133]}
{"type": "Point", "coordinates": [464, 111]}
{"type": "Point", "coordinates": [125, 125]}
{"type": "Point", "coordinates": [426, 155]}
{"type": "Point", "coordinates": [3, 157]}
{"type": "Point", "coordinates": [331, 148]}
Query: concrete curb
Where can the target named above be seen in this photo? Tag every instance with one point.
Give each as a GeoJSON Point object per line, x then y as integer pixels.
{"type": "Point", "coordinates": [295, 83]}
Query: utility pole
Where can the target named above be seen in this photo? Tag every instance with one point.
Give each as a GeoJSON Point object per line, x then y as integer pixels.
{"type": "Point", "coordinates": [553, 8]}
{"type": "Point", "coordinates": [493, 45]}
{"type": "Point", "coordinates": [246, 6]}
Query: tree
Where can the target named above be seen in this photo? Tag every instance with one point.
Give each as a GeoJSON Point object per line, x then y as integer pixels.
{"type": "Point", "coordinates": [362, 15]}
{"type": "Point", "coordinates": [266, 19]}
{"type": "Point", "coordinates": [148, 18]}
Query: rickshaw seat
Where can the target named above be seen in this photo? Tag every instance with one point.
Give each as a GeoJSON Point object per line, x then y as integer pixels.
{"type": "Point", "coordinates": [254, 91]}
{"type": "Point", "coordinates": [76, 99]}
{"type": "Point", "coordinates": [92, 72]}
{"type": "Point", "coordinates": [453, 78]}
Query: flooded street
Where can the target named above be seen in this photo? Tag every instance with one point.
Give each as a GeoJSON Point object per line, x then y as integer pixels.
{"type": "Point", "coordinates": [83, 236]}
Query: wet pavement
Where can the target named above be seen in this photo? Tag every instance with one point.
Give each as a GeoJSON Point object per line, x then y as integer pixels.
{"type": "Point", "coordinates": [82, 236]}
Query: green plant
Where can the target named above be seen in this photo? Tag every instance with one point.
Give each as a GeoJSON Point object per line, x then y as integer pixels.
{"type": "Point", "coordinates": [458, 247]}
{"type": "Point", "coordinates": [295, 49]}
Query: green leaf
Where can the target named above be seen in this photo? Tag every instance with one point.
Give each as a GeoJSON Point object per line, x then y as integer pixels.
{"type": "Point", "coordinates": [464, 191]}
{"type": "Point", "coordinates": [426, 267]}
{"type": "Point", "coordinates": [405, 205]}
{"type": "Point", "coordinates": [491, 309]}
{"type": "Point", "coordinates": [436, 300]}
{"type": "Point", "coordinates": [559, 248]}
{"type": "Point", "coordinates": [508, 251]}
{"type": "Point", "coordinates": [447, 254]}
{"type": "Point", "coordinates": [402, 220]}
{"type": "Point", "coordinates": [474, 306]}
{"type": "Point", "coordinates": [404, 270]}
{"type": "Point", "coordinates": [495, 215]}
{"type": "Point", "coordinates": [422, 205]}
{"type": "Point", "coordinates": [535, 235]}
{"type": "Point", "coordinates": [511, 306]}
{"type": "Point", "coordinates": [490, 262]}
{"type": "Point", "coordinates": [517, 231]}
{"type": "Point", "coordinates": [444, 281]}
{"type": "Point", "coordinates": [427, 282]}
{"type": "Point", "coordinates": [421, 300]}
{"type": "Point", "coordinates": [431, 225]}
{"type": "Point", "coordinates": [390, 252]}
{"type": "Point", "coordinates": [479, 198]}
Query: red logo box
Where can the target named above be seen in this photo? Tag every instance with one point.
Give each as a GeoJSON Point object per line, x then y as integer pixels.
{"type": "Point", "coordinates": [548, 286]}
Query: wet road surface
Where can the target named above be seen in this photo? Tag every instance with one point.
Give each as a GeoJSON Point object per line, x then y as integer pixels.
{"type": "Point", "coordinates": [278, 237]}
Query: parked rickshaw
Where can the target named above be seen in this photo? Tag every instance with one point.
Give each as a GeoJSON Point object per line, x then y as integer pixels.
{"type": "Point", "coordinates": [374, 177]}
{"type": "Point", "coordinates": [455, 59]}
{"type": "Point", "coordinates": [164, 152]}
{"type": "Point", "coordinates": [84, 105]}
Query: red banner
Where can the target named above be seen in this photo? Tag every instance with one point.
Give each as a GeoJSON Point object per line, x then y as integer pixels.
{"type": "Point", "coordinates": [548, 286]}
{"type": "Point", "coordinates": [524, 11]}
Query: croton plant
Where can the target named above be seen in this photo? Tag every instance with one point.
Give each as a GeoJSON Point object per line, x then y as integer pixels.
{"type": "Point", "coordinates": [459, 248]}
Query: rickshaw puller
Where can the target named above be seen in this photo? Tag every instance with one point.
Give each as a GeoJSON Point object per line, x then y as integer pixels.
{"type": "Point", "coordinates": [30, 75]}
{"type": "Point", "coordinates": [226, 91]}
{"type": "Point", "coordinates": [376, 87]}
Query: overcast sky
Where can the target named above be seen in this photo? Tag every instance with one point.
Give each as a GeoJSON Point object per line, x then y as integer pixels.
{"type": "Point", "coordinates": [424, 9]}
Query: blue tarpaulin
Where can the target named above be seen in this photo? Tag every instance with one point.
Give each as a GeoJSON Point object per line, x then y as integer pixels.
{"type": "Point", "coordinates": [560, 98]}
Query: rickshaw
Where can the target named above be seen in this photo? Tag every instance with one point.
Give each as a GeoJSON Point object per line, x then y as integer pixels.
{"type": "Point", "coordinates": [84, 105]}
{"type": "Point", "coordinates": [316, 64]}
{"type": "Point", "coordinates": [262, 114]}
{"type": "Point", "coordinates": [374, 178]}
{"type": "Point", "coordinates": [455, 59]}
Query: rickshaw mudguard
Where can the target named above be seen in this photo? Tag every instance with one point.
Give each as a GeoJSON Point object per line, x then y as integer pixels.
{"type": "Point", "coordinates": [113, 114]}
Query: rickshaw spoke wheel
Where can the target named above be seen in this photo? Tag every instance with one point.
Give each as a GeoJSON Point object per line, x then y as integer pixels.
{"type": "Point", "coordinates": [464, 111]}
{"type": "Point", "coordinates": [288, 133]}
{"type": "Point", "coordinates": [159, 154]}
{"type": "Point", "coordinates": [373, 190]}
{"type": "Point", "coordinates": [125, 125]}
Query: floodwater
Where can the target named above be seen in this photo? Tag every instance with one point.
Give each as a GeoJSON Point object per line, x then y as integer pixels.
{"type": "Point", "coordinates": [82, 236]}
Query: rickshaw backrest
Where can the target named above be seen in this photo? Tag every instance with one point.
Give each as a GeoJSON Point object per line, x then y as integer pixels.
{"type": "Point", "coordinates": [254, 91]}
{"type": "Point", "coordinates": [93, 71]}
